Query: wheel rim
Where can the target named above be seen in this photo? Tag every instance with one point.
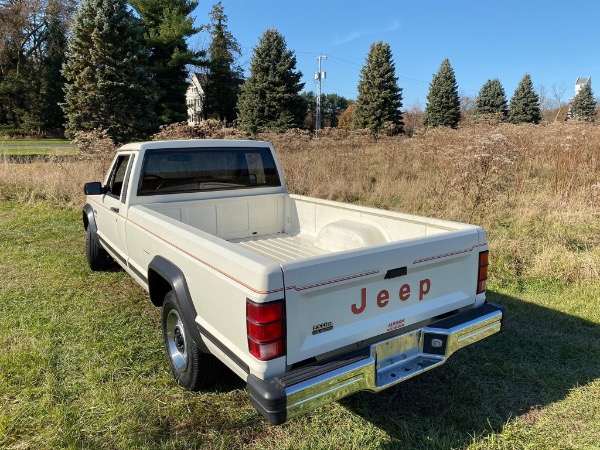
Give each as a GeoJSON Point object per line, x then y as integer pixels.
{"type": "Point", "coordinates": [176, 340]}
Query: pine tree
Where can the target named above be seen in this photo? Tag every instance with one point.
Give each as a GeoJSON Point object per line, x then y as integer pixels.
{"type": "Point", "coordinates": [270, 96]}
{"type": "Point", "coordinates": [310, 101]}
{"type": "Point", "coordinates": [443, 103]}
{"type": "Point", "coordinates": [224, 77]}
{"type": "Point", "coordinates": [32, 47]}
{"type": "Point", "coordinates": [583, 106]}
{"type": "Point", "coordinates": [491, 100]}
{"type": "Point", "coordinates": [52, 116]}
{"type": "Point", "coordinates": [167, 24]}
{"type": "Point", "coordinates": [525, 103]}
{"type": "Point", "coordinates": [107, 86]}
{"type": "Point", "coordinates": [333, 105]}
{"type": "Point", "coordinates": [379, 97]}
{"type": "Point", "coordinates": [15, 99]}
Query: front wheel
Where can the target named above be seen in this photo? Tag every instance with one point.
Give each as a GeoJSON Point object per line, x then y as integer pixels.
{"type": "Point", "coordinates": [98, 259]}
{"type": "Point", "coordinates": [192, 369]}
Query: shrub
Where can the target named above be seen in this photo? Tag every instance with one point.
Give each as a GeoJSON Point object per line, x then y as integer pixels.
{"type": "Point", "coordinates": [94, 145]}
{"type": "Point", "coordinates": [207, 129]}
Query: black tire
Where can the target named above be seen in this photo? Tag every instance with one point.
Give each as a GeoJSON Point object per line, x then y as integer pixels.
{"type": "Point", "coordinates": [192, 369]}
{"type": "Point", "coordinates": [98, 259]}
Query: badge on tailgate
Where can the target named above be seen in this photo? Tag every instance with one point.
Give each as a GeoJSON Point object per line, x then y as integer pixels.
{"type": "Point", "coordinates": [322, 327]}
{"type": "Point", "coordinates": [383, 297]}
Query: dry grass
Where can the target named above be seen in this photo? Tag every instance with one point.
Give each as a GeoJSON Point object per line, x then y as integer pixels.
{"type": "Point", "coordinates": [536, 189]}
{"type": "Point", "coordinates": [458, 174]}
{"type": "Point", "coordinates": [58, 179]}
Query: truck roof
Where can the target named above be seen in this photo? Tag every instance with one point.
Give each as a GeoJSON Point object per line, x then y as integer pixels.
{"type": "Point", "coordinates": [194, 143]}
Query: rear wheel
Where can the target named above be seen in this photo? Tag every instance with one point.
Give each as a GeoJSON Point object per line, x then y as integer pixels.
{"type": "Point", "coordinates": [98, 259]}
{"type": "Point", "coordinates": [192, 369]}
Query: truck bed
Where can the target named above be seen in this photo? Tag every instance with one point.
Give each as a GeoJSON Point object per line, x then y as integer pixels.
{"type": "Point", "coordinates": [290, 228]}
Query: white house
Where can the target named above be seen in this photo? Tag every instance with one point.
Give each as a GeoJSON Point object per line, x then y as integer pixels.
{"type": "Point", "coordinates": [194, 99]}
{"type": "Point", "coordinates": [580, 83]}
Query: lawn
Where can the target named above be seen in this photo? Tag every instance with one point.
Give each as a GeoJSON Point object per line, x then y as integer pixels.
{"type": "Point", "coordinates": [83, 367]}
{"type": "Point", "coordinates": [28, 147]}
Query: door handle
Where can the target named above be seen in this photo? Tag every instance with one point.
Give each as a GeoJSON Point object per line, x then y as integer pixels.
{"type": "Point", "coordinates": [114, 209]}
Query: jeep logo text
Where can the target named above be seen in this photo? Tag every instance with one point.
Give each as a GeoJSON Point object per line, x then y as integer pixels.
{"type": "Point", "coordinates": [383, 297]}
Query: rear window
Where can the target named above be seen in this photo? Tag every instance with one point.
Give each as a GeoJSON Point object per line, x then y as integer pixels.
{"type": "Point", "coordinates": [197, 170]}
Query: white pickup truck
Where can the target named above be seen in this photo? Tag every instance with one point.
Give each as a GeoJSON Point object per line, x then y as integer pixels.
{"type": "Point", "coordinates": [307, 300]}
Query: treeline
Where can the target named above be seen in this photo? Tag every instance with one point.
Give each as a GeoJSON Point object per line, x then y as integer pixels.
{"type": "Point", "coordinates": [33, 43]}
{"type": "Point", "coordinates": [68, 66]}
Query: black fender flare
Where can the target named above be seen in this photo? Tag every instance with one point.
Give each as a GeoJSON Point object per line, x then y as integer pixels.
{"type": "Point", "coordinates": [161, 271]}
{"type": "Point", "coordinates": [89, 222]}
{"type": "Point", "coordinates": [164, 276]}
{"type": "Point", "coordinates": [88, 218]}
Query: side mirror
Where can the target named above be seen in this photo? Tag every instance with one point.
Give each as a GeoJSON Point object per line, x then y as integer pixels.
{"type": "Point", "coordinates": [94, 188]}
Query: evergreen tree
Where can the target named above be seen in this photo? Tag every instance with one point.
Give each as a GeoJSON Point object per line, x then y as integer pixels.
{"type": "Point", "coordinates": [310, 101]}
{"type": "Point", "coordinates": [443, 103]}
{"type": "Point", "coordinates": [52, 116]}
{"type": "Point", "coordinates": [32, 47]}
{"type": "Point", "coordinates": [333, 105]}
{"type": "Point", "coordinates": [583, 106]}
{"type": "Point", "coordinates": [224, 77]}
{"type": "Point", "coordinates": [168, 23]}
{"type": "Point", "coordinates": [15, 100]}
{"type": "Point", "coordinates": [107, 86]}
{"type": "Point", "coordinates": [379, 97]}
{"type": "Point", "coordinates": [270, 96]}
{"type": "Point", "coordinates": [491, 100]}
{"type": "Point", "coordinates": [525, 103]}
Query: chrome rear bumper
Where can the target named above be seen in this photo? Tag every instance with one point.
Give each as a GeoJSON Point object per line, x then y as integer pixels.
{"type": "Point", "coordinates": [388, 363]}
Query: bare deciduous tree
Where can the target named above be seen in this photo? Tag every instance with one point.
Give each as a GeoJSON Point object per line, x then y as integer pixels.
{"type": "Point", "coordinates": [467, 102]}
{"type": "Point", "coordinates": [23, 29]}
{"type": "Point", "coordinates": [545, 99]}
{"type": "Point", "coordinates": [413, 117]}
{"type": "Point", "coordinates": [558, 91]}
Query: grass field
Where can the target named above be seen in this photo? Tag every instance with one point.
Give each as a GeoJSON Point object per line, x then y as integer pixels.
{"type": "Point", "coordinates": [30, 147]}
{"type": "Point", "coordinates": [83, 364]}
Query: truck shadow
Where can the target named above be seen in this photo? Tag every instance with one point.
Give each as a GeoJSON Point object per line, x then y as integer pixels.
{"type": "Point", "coordinates": [541, 355]}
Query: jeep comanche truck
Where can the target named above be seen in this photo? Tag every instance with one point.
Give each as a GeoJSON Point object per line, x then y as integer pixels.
{"type": "Point", "coordinates": [307, 300]}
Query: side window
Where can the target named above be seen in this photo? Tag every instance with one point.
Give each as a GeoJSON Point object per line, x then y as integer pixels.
{"type": "Point", "coordinates": [126, 182]}
{"type": "Point", "coordinates": [117, 176]}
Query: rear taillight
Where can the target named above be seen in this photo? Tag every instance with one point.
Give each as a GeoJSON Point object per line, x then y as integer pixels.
{"type": "Point", "coordinates": [483, 271]}
{"type": "Point", "coordinates": [265, 325]}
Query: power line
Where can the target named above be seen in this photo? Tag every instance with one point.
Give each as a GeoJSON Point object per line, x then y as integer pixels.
{"type": "Point", "coordinates": [346, 61]}
{"type": "Point", "coordinates": [358, 65]}
{"type": "Point", "coordinates": [336, 90]}
{"type": "Point", "coordinates": [402, 77]}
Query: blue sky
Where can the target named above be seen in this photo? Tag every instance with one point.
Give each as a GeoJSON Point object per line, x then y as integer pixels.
{"type": "Point", "coordinates": [555, 42]}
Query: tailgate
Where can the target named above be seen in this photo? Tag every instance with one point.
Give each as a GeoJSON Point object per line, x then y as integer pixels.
{"type": "Point", "coordinates": [345, 298]}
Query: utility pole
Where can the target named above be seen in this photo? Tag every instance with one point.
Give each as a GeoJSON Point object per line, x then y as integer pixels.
{"type": "Point", "coordinates": [319, 76]}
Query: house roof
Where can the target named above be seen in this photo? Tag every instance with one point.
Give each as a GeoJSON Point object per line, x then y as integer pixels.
{"type": "Point", "coordinates": [583, 81]}
{"type": "Point", "coordinates": [198, 78]}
